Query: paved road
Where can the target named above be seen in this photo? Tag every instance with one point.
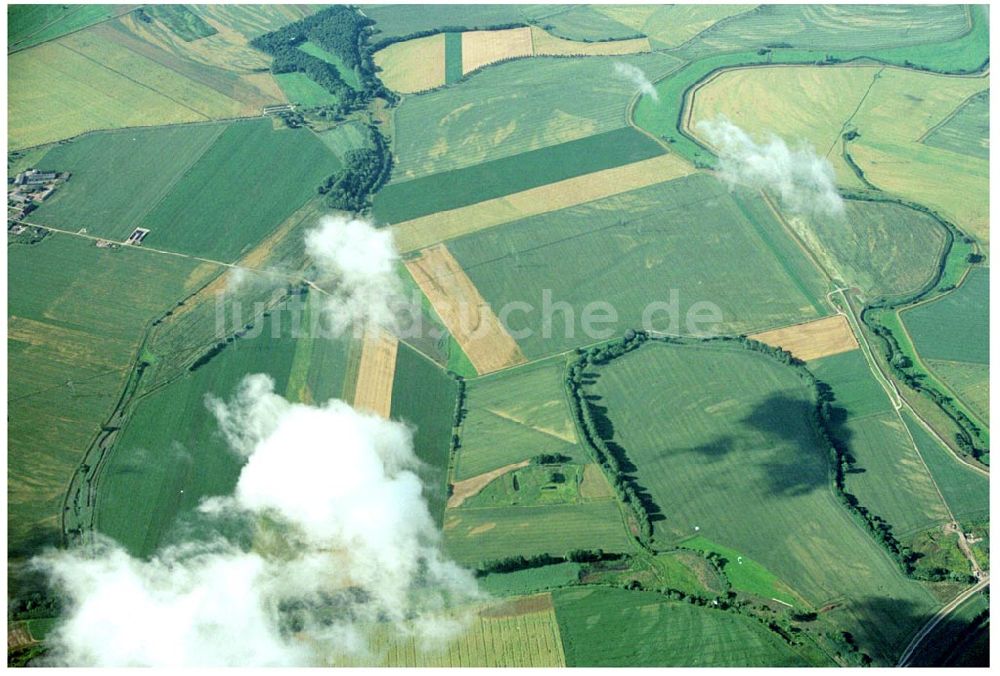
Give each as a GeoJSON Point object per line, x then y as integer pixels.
{"type": "Point", "coordinates": [907, 656]}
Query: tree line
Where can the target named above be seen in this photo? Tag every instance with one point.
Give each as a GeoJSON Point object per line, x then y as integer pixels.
{"type": "Point", "coordinates": [364, 172]}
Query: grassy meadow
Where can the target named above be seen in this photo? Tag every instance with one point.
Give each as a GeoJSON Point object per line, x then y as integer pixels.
{"type": "Point", "coordinates": [688, 240]}
{"type": "Point", "coordinates": [726, 446]}
{"type": "Point", "coordinates": [404, 200]}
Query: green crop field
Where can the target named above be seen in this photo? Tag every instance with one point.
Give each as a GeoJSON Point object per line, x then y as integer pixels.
{"type": "Point", "coordinates": [968, 380]}
{"type": "Point", "coordinates": [76, 317]}
{"type": "Point", "coordinates": [395, 21]}
{"type": "Point", "coordinates": [967, 131]}
{"type": "Point", "coordinates": [515, 107]}
{"type": "Point", "coordinates": [723, 443]}
{"type": "Point", "coordinates": [145, 164]}
{"type": "Point", "coordinates": [884, 453]}
{"type": "Point", "coordinates": [854, 386]}
{"type": "Point", "coordinates": [956, 327]}
{"type": "Point", "coordinates": [671, 25]}
{"type": "Point", "coordinates": [607, 627]}
{"type": "Point", "coordinates": [472, 536]}
{"type": "Point", "coordinates": [966, 491]}
{"type": "Point", "coordinates": [29, 25]}
{"type": "Point", "coordinates": [157, 475]}
{"type": "Point", "coordinates": [345, 137]}
{"type": "Point", "coordinates": [423, 396]}
{"type": "Point", "coordinates": [895, 483]}
{"type": "Point", "coordinates": [515, 415]}
{"type": "Point", "coordinates": [533, 485]}
{"type": "Point", "coordinates": [188, 184]}
{"type": "Point", "coordinates": [643, 247]}
{"type": "Point", "coordinates": [452, 57]}
{"type": "Point", "coordinates": [460, 187]}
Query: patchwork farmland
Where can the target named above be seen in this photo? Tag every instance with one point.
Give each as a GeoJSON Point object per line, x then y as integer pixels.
{"type": "Point", "coordinates": [599, 335]}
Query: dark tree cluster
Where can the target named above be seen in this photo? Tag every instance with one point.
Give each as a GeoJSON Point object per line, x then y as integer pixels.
{"type": "Point", "coordinates": [340, 30]}
{"type": "Point", "coordinates": [515, 563]}
{"type": "Point", "coordinates": [365, 172]}
{"type": "Point", "coordinates": [550, 459]}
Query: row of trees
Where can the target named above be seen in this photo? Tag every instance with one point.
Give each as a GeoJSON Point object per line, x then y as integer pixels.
{"type": "Point", "coordinates": [511, 564]}
{"type": "Point", "coordinates": [595, 426]}
{"type": "Point", "coordinates": [365, 171]}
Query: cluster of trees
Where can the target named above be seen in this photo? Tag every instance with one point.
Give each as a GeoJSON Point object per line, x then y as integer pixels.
{"type": "Point", "coordinates": [550, 459]}
{"type": "Point", "coordinates": [610, 455]}
{"type": "Point", "coordinates": [340, 30]}
{"type": "Point", "coordinates": [365, 171]}
{"type": "Point", "coordinates": [515, 563]}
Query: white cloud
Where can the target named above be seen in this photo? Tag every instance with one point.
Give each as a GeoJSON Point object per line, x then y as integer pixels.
{"type": "Point", "coordinates": [356, 263]}
{"type": "Point", "coordinates": [803, 180]}
{"type": "Point", "coordinates": [342, 533]}
{"type": "Point", "coordinates": [635, 75]}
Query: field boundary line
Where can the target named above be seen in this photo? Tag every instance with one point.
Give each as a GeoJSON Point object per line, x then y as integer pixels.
{"type": "Point", "coordinates": [127, 9]}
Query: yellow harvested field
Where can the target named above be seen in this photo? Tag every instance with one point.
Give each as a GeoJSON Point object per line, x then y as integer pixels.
{"type": "Point", "coordinates": [463, 310]}
{"type": "Point", "coordinates": [545, 44]}
{"type": "Point", "coordinates": [373, 390]}
{"type": "Point", "coordinates": [812, 340]}
{"type": "Point", "coordinates": [481, 48]}
{"type": "Point", "coordinates": [892, 109]}
{"type": "Point", "coordinates": [463, 490]}
{"type": "Point", "coordinates": [412, 65]}
{"type": "Point", "coordinates": [419, 233]}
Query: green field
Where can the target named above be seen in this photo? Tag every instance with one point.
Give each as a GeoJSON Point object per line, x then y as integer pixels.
{"type": "Point", "coordinates": [951, 640]}
{"type": "Point", "coordinates": [969, 381]}
{"type": "Point", "coordinates": [642, 247]}
{"type": "Point", "coordinates": [158, 473]}
{"type": "Point", "coordinates": [515, 415]}
{"type": "Point", "coordinates": [423, 396]}
{"type": "Point", "coordinates": [512, 108]}
{"type": "Point", "coordinates": [29, 25]}
{"type": "Point", "coordinates": [183, 22]}
{"type": "Point", "coordinates": [345, 137]}
{"type": "Point", "coordinates": [402, 201]}
{"type": "Point", "coordinates": [882, 248]}
{"type": "Point", "coordinates": [580, 22]}
{"type": "Point", "coordinates": [76, 317]}
{"type": "Point", "coordinates": [841, 27]}
{"type": "Point", "coordinates": [966, 491]}
{"type": "Point", "coordinates": [722, 441]}
{"type": "Point", "coordinates": [967, 131]}
{"type": "Point", "coordinates": [855, 389]}
{"type": "Point", "coordinates": [484, 534]}
{"type": "Point", "coordinates": [298, 88]}
{"type": "Point", "coordinates": [348, 75]}
{"type": "Point", "coordinates": [531, 579]}
{"type": "Point", "coordinates": [612, 627]}
{"type": "Point", "coordinates": [956, 327]}
{"type": "Point", "coordinates": [745, 574]}
{"type": "Point", "coordinates": [533, 485]}
{"type": "Point", "coordinates": [452, 57]}
{"type": "Point", "coordinates": [187, 184]}
{"type": "Point", "coordinates": [878, 440]}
